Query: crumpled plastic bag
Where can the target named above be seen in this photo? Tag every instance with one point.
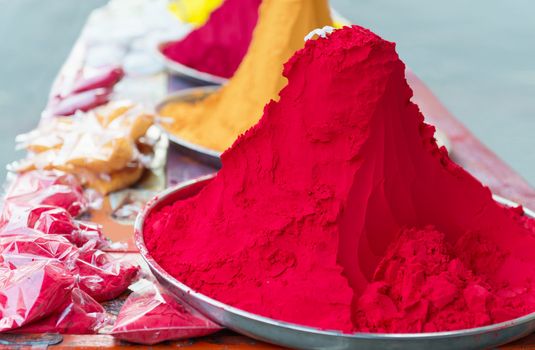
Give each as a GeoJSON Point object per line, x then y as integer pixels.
{"type": "Point", "coordinates": [18, 249]}
{"type": "Point", "coordinates": [105, 78]}
{"type": "Point", "coordinates": [52, 188]}
{"type": "Point", "coordinates": [97, 273]}
{"type": "Point", "coordinates": [83, 101]}
{"type": "Point", "coordinates": [58, 221]}
{"type": "Point", "coordinates": [79, 314]}
{"type": "Point", "coordinates": [102, 276]}
{"type": "Point", "coordinates": [100, 147]}
{"type": "Point", "coordinates": [52, 220]}
{"type": "Point", "coordinates": [88, 91]}
{"type": "Point", "coordinates": [49, 202]}
{"type": "Point", "coordinates": [56, 282]}
{"type": "Point", "coordinates": [151, 315]}
{"type": "Point", "coordinates": [50, 263]}
{"type": "Point", "coordinates": [32, 291]}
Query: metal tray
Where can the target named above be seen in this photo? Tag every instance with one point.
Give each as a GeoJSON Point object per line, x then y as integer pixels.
{"type": "Point", "coordinates": [203, 154]}
{"type": "Point", "coordinates": [302, 337]}
{"type": "Point", "coordinates": [179, 69]}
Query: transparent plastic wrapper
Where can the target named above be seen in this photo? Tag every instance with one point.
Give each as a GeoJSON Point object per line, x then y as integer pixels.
{"type": "Point", "coordinates": [104, 78]}
{"type": "Point", "coordinates": [18, 249]}
{"type": "Point", "coordinates": [88, 91]}
{"type": "Point", "coordinates": [100, 147]}
{"type": "Point", "coordinates": [80, 314]}
{"type": "Point", "coordinates": [32, 291]}
{"type": "Point", "coordinates": [102, 276]}
{"type": "Point", "coordinates": [52, 188]}
{"type": "Point", "coordinates": [58, 221]}
{"type": "Point", "coordinates": [83, 101]}
{"type": "Point", "coordinates": [150, 315]}
{"type": "Point", "coordinates": [52, 221]}
{"type": "Point", "coordinates": [37, 265]}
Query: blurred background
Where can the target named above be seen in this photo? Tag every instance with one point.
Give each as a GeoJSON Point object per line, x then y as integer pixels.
{"type": "Point", "coordinates": [477, 56]}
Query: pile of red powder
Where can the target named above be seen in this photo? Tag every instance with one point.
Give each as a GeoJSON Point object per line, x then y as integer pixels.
{"type": "Point", "coordinates": [219, 45]}
{"type": "Point", "coordinates": [338, 210]}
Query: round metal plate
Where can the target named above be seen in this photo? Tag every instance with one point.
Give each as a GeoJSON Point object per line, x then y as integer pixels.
{"type": "Point", "coordinates": [179, 69]}
{"type": "Point", "coordinates": [301, 337]}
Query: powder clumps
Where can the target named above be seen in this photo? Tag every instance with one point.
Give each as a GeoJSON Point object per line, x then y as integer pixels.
{"type": "Point", "coordinates": [216, 121]}
{"type": "Point", "coordinates": [423, 284]}
{"type": "Point", "coordinates": [219, 45]}
{"type": "Point", "coordinates": [338, 210]}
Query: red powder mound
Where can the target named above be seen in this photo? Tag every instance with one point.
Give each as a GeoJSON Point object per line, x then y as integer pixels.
{"type": "Point", "coordinates": [218, 47]}
{"type": "Point", "coordinates": [334, 189]}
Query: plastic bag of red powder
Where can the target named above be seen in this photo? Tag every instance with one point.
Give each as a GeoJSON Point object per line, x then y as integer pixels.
{"type": "Point", "coordinates": [58, 221]}
{"type": "Point", "coordinates": [150, 315]}
{"type": "Point", "coordinates": [80, 314]}
{"type": "Point", "coordinates": [53, 221]}
{"type": "Point", "coordinates": [32, 291]}
{"type": "Point", "coordinates": [52, 188]}
{"type": "Point", "coordinates": [102, 276]}
{"type": "Point", "coordinates": [18, 249]}
{"type": "Point", "coordinates": [105, 78]}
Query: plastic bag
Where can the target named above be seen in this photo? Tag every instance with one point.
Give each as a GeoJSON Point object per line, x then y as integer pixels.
{"type": "Point", "coordinates": [83, 101]}
{"type": "Point", "coordinates": [151, 315]}
{"type": "Point", "coordinates": [52, 188]}
{"type": "Point", "coordinates": [18, 249]}
{"type": "Point", "coordinates": [80, 314]}
{"type": "Point", "coordinates": [102, 276]}
{"type": "Point", "coordinates": [32, 291]}
{"type": "Point", "coordinates": [87, 92]}
{"type": "Point", "coordinates": [31, 264]}
{"type": "Point", "coordinates": [100, 147]}
{"type": "Point", "coordinates": [58, 221]}
{"type": "Point", "coordinates": [104, 78]}
{"type": "Point", "coordinates": [53, 221]}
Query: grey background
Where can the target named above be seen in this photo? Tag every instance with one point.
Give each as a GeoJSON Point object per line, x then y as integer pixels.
{"type": "Point", "coordinates": [478, 56]}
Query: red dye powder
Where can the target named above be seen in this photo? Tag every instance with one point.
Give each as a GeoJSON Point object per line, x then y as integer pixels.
{"type": "Point", "coordinates": [218, 47]}
{"type": "Point", "coordinates": [424, 284]}
{"type": "Point", "coordinates": [338, 210]}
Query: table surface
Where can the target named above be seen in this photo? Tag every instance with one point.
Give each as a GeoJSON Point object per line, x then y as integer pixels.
{"type": "Point", "coordinates": [466, 150]}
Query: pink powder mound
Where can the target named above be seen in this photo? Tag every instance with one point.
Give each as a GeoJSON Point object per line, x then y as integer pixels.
{"type": "Point", "coordinates": [338, 210]}
{"type": "Point", "coordinates": [219, 45]}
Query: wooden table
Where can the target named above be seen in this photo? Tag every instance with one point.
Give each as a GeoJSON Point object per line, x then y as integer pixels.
{"type": "Point", "coordinates": [466, 150]}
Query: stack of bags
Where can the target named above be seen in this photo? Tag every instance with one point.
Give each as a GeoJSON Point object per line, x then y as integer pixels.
{"type": "Point", "coordinates": [52, 272]}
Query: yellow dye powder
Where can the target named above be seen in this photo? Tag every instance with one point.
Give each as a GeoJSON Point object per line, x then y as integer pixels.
{"type": "Point", "coordinates": [216, 121]}
{"type": "Point", "coordinates": [195, 12]}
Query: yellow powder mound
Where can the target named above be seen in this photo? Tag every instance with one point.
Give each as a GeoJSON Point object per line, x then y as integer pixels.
{"type": "Point", "coordinates": [216, 121]}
